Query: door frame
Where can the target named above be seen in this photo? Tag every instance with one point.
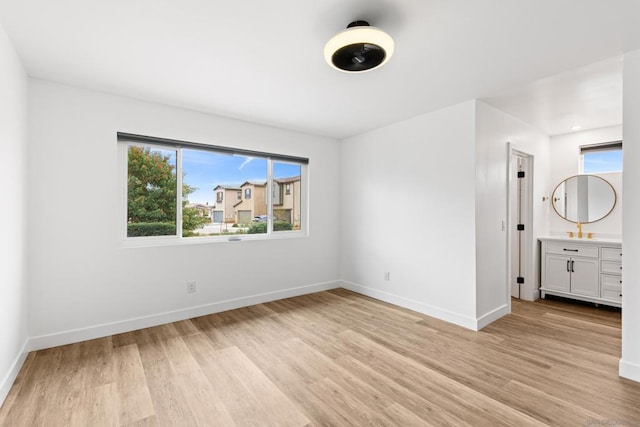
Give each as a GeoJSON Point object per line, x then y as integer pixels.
{"type": "Point", "coordinates": [528, 290]}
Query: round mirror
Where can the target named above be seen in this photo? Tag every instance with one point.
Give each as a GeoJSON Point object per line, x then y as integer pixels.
{"type": "Point", "coordinates": [584, 198]}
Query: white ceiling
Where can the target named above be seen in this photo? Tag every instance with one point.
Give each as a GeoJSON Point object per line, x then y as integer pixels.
{"type": "Point", "coordinates": [583, 98]}
{"type": "Point", "coordinates": [262, 61]}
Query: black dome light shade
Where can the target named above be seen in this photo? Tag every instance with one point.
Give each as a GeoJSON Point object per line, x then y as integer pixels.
{"type": "Point", "coordinates": [358, 57]}
{"type": "Point", "coordinates": [359, 48]}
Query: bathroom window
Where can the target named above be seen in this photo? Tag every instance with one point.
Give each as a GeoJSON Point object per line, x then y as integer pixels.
{"type": "Point", "coordinates": [601, 158]}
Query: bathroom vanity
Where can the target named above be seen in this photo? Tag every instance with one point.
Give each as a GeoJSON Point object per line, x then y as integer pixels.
{"type": "Point", "coordinates": [583, 269]}
{"type": "Point", "coordinates": [573, 265]}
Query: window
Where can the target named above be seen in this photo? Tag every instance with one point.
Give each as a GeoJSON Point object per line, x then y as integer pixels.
{"type": "Point", "coordinates": [287, 206]}
{"type": "Point", "coordinates": [601, 158]}
{"type": "Point", "coordinates": [276, 193]}
{"type": "Point", "coordinates": [167, 181]}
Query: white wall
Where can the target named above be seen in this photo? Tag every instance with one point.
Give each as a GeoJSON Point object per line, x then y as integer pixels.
{"type": "Point", "coordinates": [13, 283]}
{"type": "Point", "coordinates": [494, 129]}
{"type": "Point", "coordinates": [82, 278]}
{"type": "Point", "coordinates": [630, 362]}
{"type": "Point", "coordinates": [408, 209]}
{"type": "Point", "coordinates": [565, 157]}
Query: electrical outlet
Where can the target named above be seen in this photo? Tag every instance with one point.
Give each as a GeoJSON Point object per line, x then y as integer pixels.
{"type": "Point", "coordinates": [191, 287]}
{"type": "Point", "coordinates": [387, 276]}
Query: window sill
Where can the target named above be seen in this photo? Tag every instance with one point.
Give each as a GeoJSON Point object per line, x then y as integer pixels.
{"type": "Point", "coordinates": [145, 242]}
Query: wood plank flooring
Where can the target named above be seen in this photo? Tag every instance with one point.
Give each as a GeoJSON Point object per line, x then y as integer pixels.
{"type": "Point", "coordinates": [337, 358]}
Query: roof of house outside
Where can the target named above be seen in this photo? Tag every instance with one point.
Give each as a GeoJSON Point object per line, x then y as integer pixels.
{"type": "Point", "coordinates": [288, 179]}
{"type": "Point", "coordinates": [199, 206]}
{"type": "Point", "coordinates": [227, 187]}
{"type": "Point", "coordinates": [254, 183]}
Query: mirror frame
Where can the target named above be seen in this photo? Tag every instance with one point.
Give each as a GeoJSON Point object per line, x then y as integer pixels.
{"type": "Point", "coordinates": [615, 199]}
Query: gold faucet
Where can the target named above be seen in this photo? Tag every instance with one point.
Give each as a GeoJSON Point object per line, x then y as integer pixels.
{"type": "Point", "coordinates": [579, 231]}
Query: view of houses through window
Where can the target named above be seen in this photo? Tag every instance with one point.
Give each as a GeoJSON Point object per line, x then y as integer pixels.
{"type": "Point", "coordinates": [220, 193]}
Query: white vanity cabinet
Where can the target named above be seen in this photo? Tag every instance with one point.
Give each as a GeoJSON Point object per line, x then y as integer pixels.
{"type": "Point", "coordinates": [588, 270]}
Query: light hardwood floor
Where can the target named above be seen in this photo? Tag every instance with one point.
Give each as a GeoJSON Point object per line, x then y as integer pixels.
{"type": "Point", "coordinates": [337, 358]}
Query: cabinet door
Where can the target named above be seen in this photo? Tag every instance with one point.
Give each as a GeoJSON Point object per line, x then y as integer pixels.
{"type": "Point", "coordinates": [557, 276]}
{"type": "Point", "coordinates": [584, 277]}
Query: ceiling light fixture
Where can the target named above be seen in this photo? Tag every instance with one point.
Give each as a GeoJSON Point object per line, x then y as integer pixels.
{"type": "Point", "coordinates": [359, 48]}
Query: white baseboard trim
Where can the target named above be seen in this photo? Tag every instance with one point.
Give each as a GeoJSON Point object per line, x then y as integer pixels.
{"type": "Point", "coordinates": [10, 377]}
{"type": "Point", "coordinates": [106, 329]}
{"type": "Point", "coordinates": [429, 310]}
{"type": "Point", "coordinates": [492, 316]}
{"type": "Point", "coordinates": [629, 370]}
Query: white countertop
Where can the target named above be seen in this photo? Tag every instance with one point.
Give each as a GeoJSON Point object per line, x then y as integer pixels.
{"type": "Point", "coordinates": [593, 241]}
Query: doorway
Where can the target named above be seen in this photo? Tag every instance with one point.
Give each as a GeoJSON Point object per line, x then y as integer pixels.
{"type": "Point", "coordinates": [520, 225]}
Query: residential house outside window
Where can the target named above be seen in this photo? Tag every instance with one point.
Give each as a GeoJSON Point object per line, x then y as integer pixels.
{"type": "Point", "coordinates": [224, 211]}
{"type": "Point", "coordinates": [288, 203]}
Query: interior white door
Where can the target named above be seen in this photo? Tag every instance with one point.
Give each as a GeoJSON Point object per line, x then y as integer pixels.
{"type": "Point", "coordinates": [519, 196]}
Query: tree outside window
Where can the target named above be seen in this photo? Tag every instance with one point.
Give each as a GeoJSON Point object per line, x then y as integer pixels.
{"type": "Point", "coordinates": [152, 192]}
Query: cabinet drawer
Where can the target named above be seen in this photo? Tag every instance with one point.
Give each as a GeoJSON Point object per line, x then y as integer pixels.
{"type": "Point", "coordinates": [611, 288]}
{"type": "Point", "coordinates": [611, 282]}
{"type": "Point", "coordinates": [612, 254]}
{"type": "Point", "coordinates": [611, 295]}
{"type": "Point", "coordinates": [611, 267]}
{"type": "Point", "coordinates": [572, 249]}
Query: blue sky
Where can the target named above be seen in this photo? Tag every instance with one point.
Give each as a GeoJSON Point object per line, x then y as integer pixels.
{"type": "Point", "coordinates": [603, 161]}
{"type": "Point", "coordinates": [205, 170]}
